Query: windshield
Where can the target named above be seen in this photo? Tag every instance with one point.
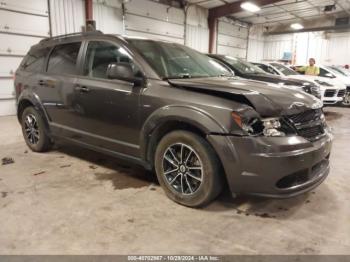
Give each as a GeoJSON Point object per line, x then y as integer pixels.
{"type": "Point", "coordinates": [340, 70]}
{"type": "Point", "coordinates": [171, 60]}
{"type": "Point", "coordinates": [284, 70]}
{"type": "Point", "coordinates": [243, 66]}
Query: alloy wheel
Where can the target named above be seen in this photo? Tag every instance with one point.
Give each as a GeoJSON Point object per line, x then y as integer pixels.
{"type": "Point", "coordinates": [182, 168]}
{"type": "Point", "coordinates": [31, 129]}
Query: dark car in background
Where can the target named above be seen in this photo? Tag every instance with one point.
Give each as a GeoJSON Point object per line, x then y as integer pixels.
{"type": "Point", "coordinates": [173, 110]}
{"type": "Point", "coordinates": [248, 70]}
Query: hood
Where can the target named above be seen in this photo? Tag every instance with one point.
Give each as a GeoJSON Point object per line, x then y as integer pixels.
{"type": "Point", "coordinates": [336, 84]}
{"type": "Point", "coordinates": [268, 100]}
{"type": "Point", "coordinates": [279, 80]}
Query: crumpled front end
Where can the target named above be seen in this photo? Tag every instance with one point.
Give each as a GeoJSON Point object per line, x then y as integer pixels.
{"type": "Point", "coordinates": [282, 166]}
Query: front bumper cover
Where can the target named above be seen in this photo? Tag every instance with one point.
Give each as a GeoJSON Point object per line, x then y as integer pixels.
{"type": "Point", "coordinates": [273, 166]}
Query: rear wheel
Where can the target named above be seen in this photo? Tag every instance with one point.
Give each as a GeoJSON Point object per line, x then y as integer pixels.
{"type": "Point", "coordinates": [188, 169]}
{"type": "Point", "coordinates": [34, 130]}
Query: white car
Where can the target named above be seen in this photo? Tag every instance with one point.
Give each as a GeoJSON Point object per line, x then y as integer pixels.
{"type": "Point", "coordinates": [344, 75]}
{"type": "Point", "coordinates": [332, 90]}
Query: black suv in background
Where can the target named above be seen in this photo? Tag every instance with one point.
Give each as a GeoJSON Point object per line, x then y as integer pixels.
{"type": "Point", "coordinates": [173, 110]}
{"type": "Point", "coordinates": [250, 71]}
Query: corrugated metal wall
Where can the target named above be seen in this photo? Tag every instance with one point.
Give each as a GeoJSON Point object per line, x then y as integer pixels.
{"type": "Point", "coordinates": [255, 52]}
{"type": "Point", "coordinates": [275, 46]}
{"type": "Point", "coordinates": [197, 32]}
{"type": "Point", "coordinates": [67, 16]}
{"type": "Point", "coordinates": [109, 17]}
{"type": "Point", "coordinates": [22, 24]}
{"type": "Point", "coordinates": [232, 39]}
{"type": "Point", "coordinates": [326, 48]}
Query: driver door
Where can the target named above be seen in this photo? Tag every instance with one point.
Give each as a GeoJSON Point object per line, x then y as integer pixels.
{"type": "Point", "coordinates": [108, 108]}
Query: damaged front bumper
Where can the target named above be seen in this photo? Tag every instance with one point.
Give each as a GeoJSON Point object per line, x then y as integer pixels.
{"type": "Point", "coordinates": [273, 166]}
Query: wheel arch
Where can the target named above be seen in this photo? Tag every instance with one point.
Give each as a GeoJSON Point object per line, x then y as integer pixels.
{"type": "Point", "coordinates": [171, 118]}
{"type": "Point", "coordinates": [26, 100]}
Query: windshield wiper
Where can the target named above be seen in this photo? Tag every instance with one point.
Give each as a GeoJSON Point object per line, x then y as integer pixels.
{"type": "Point", "coordinates": [178, 76]}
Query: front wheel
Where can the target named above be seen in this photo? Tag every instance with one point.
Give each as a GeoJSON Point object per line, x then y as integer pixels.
{"type": "Point", "coordinates": [188, 169]}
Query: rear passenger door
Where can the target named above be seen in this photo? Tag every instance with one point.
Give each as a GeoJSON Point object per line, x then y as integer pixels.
{"type": "Point", "coordinates": [59, 83]}
{"type": "Point", "coordinates": [109, 108]}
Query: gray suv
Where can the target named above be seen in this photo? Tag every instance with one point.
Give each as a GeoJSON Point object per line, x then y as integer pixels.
{"type": "Point", "coordinates": [173, 110]}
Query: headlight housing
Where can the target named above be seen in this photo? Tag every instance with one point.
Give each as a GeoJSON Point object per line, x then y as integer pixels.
{"type": "Point", "coordinates": [272, 127]}
{"type": "Point", "coordinates": [253, 125]}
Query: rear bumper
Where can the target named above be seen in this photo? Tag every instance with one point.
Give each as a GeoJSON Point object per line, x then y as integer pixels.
{"type": "Point", "coordinates": [279, 167]}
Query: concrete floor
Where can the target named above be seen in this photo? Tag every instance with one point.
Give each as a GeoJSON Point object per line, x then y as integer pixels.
{"type": "Point", "coordinates": [74, 201]}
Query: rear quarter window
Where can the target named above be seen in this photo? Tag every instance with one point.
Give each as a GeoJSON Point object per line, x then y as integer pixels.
{"type": "Point", "coordinates": [34, 61]}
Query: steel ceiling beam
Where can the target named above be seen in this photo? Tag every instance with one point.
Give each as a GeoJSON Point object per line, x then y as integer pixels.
{"type": "Point", "coordinates": [231, 8]}
{"type": "Point", "coordinates": [225, 10]}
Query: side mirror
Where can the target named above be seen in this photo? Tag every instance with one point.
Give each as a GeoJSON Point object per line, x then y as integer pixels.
{"type": "Point", "coordinates": [122, 71]}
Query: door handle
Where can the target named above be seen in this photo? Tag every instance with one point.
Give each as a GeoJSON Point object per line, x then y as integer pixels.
{"type": "Point", "coordinates": [82, 89]}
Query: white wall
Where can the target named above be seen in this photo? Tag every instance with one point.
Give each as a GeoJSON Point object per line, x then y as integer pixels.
{"type": "Point", "coordinates": [197, 32]}
{"type": "Point", "coordinates": [22, 24]}
{"type": "Point", "coordinates": [232, 39]}
{"type": "Point", "coordinates": [326, 48]}
{"type": "Point", "coordinates": [276, 45]}
{"type": "Point", "coordinates": [256, 41]}
{"type": "Point", "coordinates": [153, 20]}
{"type": "Point", "coordinates": [109, 17]}
{"type": "Point", "coordinates": [67, 16]}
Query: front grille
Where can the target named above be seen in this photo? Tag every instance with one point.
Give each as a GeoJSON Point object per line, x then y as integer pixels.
{"type": "Point", "coordinates": [329, 93]}
{"type": "Point", "coordinates": [306, 116]}
{"type": "Point", "coordinates": [308, 124]}
{"type": "Point", "coordinates": [341, 93]}
{"type": "Point", "coordinates": [311, 132]}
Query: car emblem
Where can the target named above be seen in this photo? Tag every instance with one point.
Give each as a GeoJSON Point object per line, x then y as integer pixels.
{"type": "Point", "coordinates": [296, 105]}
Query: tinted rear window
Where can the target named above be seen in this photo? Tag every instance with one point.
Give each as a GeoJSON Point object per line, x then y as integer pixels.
{"type": "Point", "coordinates": [63, 59]}
{"type": "Point", "coordinates": [35, 59]}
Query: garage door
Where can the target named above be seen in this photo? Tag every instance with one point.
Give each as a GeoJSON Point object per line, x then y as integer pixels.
{"type": "Point", "coordinates": [153, 20]}
{"type": "Point", "coordinates": [22, 24]}
{"type": "Point", "coordinates": [232, 39]}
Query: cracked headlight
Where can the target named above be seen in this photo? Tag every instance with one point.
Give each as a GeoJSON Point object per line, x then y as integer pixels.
{"type": "Point", "coordinates": [272, 127]}
{"type": "Point", "coordinates": [251, 124]}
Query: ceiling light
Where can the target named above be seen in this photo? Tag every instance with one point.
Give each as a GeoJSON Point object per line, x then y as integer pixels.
{"type": "Point", "coordinates": [248, 6]}
{"type": "Point", "coordinates": [296, 26]}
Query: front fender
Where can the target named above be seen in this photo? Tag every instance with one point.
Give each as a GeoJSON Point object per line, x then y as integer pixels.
{"type": "Point", "coordinates": [190, 115]}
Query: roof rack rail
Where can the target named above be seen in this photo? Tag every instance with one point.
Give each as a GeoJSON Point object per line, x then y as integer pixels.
{"type": "Point", "coordinates": [95, 32]}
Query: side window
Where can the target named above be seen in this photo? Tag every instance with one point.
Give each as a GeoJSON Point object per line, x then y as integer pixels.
{"type": "Point", "coordinates": [325, 73]}
{"type": "Point", "coordinates": [271, 70]}
{"type": "Point", "coordinates": [63, 59]}
{"type": "Point", "coordinates": [100, 54]}
{"type": "Point", "coordinates": [265, 68]}
{"type": "Point", "coordinates": [34, 60]}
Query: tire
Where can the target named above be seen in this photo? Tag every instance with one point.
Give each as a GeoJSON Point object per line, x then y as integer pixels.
{"type": "Point", "coordinates": [346, 101]}
{"type": "Point", "coordinates": [197, 179]}
{"type": "Point", "coordinates": [34, 130]}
